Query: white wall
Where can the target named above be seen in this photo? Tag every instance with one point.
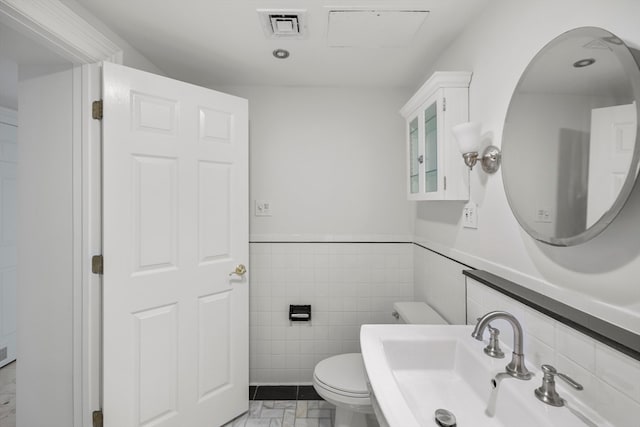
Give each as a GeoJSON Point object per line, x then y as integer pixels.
{"type": "Point", "coordinates": [601, 276]}
{"type": "Point", "coordinates": [45, 252]}
{"type": "Point", "coordinates": [8, 83]}
{"type": "Point", "coordinates": [330, 161]}
{"type": "Point", "coordinates": [439, 282]}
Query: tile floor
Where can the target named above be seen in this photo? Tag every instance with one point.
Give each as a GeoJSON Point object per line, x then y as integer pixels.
{"type": "Point", "coordinates": [8, 395]}
{"type": "Point", "coordinates": [286, 413]}
{"type": "Point", "coordinates": [278, 406]}
{"type": "Point", "coordinates": [285, 406]}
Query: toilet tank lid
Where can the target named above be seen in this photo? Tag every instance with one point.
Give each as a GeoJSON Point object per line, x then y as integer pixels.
{"type": "Point", "coordinates": [418, 313]}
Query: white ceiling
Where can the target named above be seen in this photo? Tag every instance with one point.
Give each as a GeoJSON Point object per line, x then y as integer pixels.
{"type": "Point", "coordinates": [221, 42]}
{"type": "Point", "coordinates": [18, 48]}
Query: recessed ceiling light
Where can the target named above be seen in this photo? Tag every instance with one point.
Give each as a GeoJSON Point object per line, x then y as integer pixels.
{"type": "Point", "coordinates": [584, 63]}
{"type": "Point", "coordinates": [281, 53]}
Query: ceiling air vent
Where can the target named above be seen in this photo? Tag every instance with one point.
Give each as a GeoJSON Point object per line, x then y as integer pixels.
{"type": "Point", "coordinates": [283, 23]}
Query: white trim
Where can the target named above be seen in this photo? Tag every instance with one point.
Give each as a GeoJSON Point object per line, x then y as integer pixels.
{"type": "Point", "coordinates": [59, 28]}
{"type": "Point", "coordinates": [76, 209]}
{"type": "Point", "coordinates": [91, 244]}
{"type": "Point", "coordinates": [8, 116]}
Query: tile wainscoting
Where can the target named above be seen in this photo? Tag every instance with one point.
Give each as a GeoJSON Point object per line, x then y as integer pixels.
{"type": "Point", "coordinates": [610, 378]}
{"type": "Point", "coordinates": [347, 284]}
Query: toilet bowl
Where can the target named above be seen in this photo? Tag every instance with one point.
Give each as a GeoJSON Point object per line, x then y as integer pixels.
{"type": "Point", "coordinates": [342, 379]}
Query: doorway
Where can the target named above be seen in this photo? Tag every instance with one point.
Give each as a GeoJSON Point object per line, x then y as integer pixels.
{"type": "Point", "coordinates": [21, 60]}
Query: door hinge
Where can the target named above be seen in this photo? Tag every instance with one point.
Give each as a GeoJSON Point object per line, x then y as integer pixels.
{"type": "Point", "coordinates": [97, 264]}
{"type": "Point", "coordinates": [96, 110]}
{"type": "Point", "coordinates": [445, 182]}
{"type": "Point", "coordinates": [444, 104]}
{"type": "Point", "coordinates": [97, 418]}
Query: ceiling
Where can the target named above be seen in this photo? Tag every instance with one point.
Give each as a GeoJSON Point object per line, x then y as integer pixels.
{"type": "Point", "coordinates": [553, 69]}
{"type": "Point", "coordinates": [20, 49]}
{"type": "Point", "coordinates": [222, 42]}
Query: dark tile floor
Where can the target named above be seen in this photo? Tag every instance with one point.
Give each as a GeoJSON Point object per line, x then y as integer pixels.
{"type": "Point", "coordinates": [293, 392]}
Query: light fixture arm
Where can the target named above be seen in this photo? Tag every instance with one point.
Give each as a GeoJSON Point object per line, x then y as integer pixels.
{"type": "Point", "coordinates": [490, 159]}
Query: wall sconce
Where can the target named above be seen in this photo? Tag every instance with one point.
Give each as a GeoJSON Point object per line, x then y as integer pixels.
{"type": "Point", "coordinates": [468, 137]}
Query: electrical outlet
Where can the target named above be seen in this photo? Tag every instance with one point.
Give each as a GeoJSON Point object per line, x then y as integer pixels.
{"type": "Point", "coordinates": [470, 215]}
{"type": "Point", "coordinates": [263, 208]}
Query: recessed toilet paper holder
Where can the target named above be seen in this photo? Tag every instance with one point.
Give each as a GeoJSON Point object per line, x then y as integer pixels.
{"type": "Point", "coordinates": [299, 313]}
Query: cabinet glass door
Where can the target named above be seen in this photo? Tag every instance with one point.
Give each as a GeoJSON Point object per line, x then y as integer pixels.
{"type": "Point", "coordinates": [414, 164]}
{"type": "Point", "coordinates": [431, 148]}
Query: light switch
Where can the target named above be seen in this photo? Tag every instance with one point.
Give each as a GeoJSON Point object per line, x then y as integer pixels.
{"type": "Point", "coordinates": [470, 215]}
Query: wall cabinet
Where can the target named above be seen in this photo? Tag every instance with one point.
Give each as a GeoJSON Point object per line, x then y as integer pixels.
{"type": "Point", "coordinates": [435, 169]}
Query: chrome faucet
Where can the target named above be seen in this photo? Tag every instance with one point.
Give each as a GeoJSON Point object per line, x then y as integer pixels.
{"type": "Point", "coordinates": [516, 367]}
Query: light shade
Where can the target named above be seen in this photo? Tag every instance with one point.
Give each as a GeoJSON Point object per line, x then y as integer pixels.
{"type": "Point", "coordinates": [468, 137]}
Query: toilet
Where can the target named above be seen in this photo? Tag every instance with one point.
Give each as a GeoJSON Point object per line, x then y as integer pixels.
{"type": "Point", "coordinates": [342, 379]}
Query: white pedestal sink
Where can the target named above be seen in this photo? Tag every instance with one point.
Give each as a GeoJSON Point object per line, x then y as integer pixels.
{"type": "Point", "coordinates": [416, 369]}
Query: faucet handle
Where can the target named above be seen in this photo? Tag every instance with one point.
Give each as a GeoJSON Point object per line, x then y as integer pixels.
{"type": "Point", "coordinates": [547, 391]}
{"type": "Point", "coordinates": [493, 348]}
{"type": "Point", "coordinates": [551, 371]}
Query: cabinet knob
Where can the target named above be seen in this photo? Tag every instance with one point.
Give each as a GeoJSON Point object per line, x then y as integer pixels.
{"type": "Point", "coordinates": [421, 159]}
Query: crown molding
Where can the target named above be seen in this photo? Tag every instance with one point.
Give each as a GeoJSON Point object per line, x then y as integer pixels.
{"type": "Point", "coordinates": [60, 28]}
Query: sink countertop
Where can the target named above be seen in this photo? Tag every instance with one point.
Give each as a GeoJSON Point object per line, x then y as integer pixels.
{"type": "Point", "coordinates": [415, 369]}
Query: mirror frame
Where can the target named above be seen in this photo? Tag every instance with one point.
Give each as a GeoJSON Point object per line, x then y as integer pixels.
{"type": "Point", "coordinates": [630, 61]}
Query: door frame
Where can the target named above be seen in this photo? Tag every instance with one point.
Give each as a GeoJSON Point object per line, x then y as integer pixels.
{"type": "Point", "coordinates": [63, 31]}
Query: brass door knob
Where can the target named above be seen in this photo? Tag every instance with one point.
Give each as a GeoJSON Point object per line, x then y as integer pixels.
{"type": "Point", "coordinates": [239, 271]}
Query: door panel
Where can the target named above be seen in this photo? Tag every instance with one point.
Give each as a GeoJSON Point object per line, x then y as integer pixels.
{"type": "Point", "coordinates": [155, 213]}
{"type": "Point", "coordinates": [214, 356]}
{"type": "Point", "coordinates": [175, 226]}
{"type": "Point", "coordinates": [214, 227]}
{"type": "Point", "coordinates": [156, 366]}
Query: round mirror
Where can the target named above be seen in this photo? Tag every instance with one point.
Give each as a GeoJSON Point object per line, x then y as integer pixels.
{"type": "Point", "coordinates": [569, 146]}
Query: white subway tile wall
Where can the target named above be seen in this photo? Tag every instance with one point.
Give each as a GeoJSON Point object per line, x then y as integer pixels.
{"type": "Point", "coordinates": [347, 285]}
{"type": "Point", "coordinates": [611, 379]}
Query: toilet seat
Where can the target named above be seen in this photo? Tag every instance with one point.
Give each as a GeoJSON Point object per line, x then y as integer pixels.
{"type": "Point", "coordinates": [344, 374]}
{"type": "Point", "coordinates": [341, 380]}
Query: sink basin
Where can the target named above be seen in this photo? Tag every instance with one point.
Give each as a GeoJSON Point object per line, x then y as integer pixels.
{"type": "Point", "coordinates": [416, 369]}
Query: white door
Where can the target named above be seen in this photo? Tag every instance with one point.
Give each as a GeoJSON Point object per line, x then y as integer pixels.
{"type": "Point", "coordinates": [175, 226]}
{"type": "Point", "coordinates": [613, 136]}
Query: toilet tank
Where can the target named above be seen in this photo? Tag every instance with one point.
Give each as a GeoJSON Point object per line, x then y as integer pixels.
{"type": "Point", "coordinates": [416, 313]}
